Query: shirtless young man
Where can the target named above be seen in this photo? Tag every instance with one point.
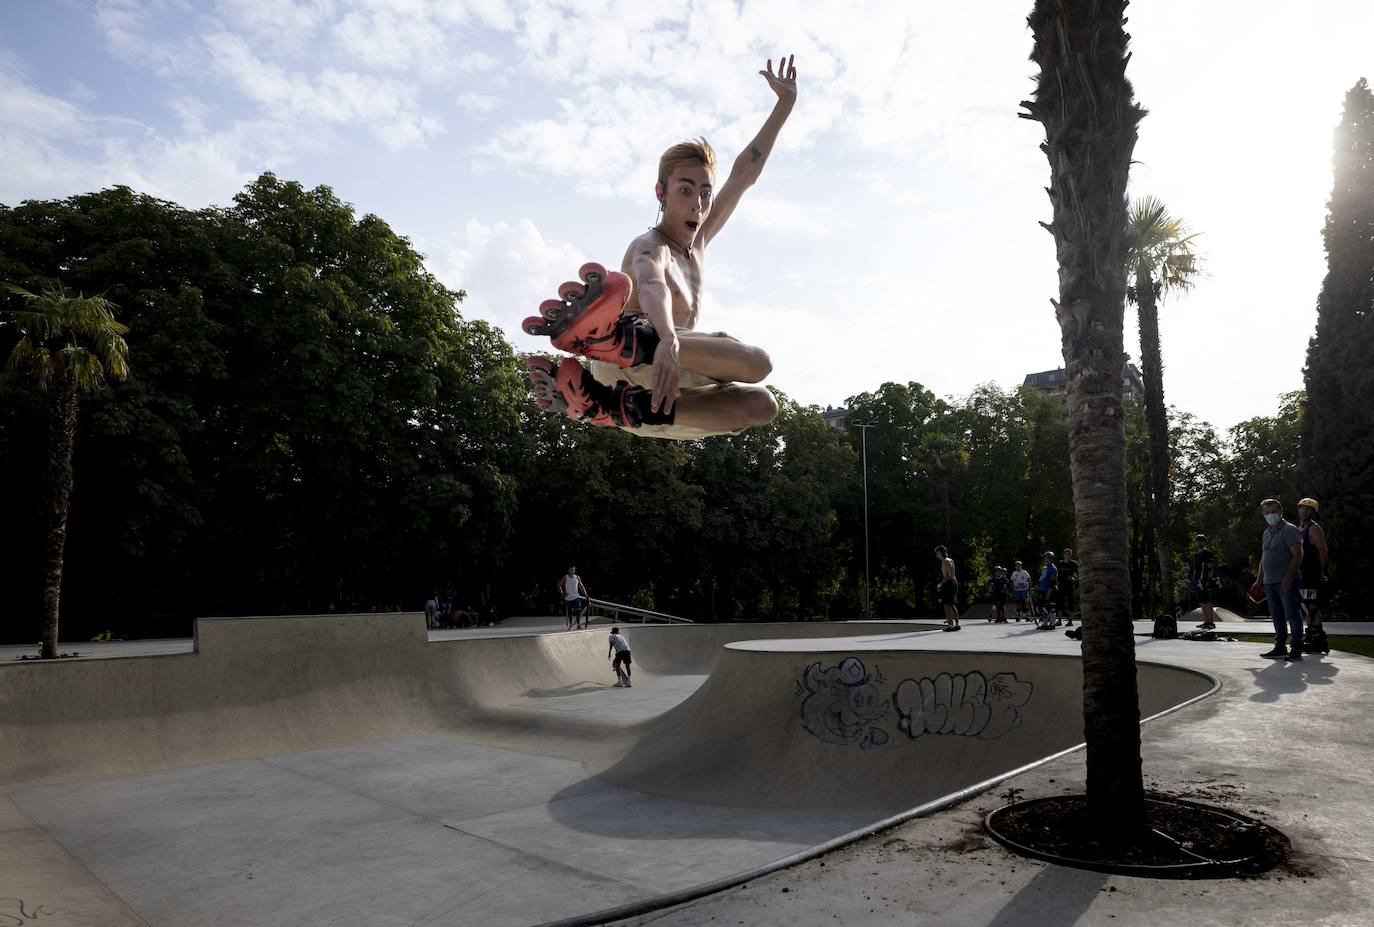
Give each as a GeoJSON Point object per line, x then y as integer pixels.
{"type": "Point", "coordinates": [651, 372]}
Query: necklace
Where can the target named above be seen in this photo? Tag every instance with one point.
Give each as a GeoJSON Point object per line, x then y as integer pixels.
{"type": "Point", "coordinates": [686, 249]}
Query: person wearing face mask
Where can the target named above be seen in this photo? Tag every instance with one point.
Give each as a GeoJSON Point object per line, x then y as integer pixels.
{"type": "Point", "coordinates": [1280, 559]}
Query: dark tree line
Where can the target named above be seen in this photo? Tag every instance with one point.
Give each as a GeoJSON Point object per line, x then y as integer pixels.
{"type": "Point", "coordinates": [309, 424]}
{"type": "Point", "coordinates": [1338, 421]}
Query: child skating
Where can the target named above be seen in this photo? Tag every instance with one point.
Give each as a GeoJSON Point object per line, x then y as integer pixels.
{"type": "Point", "coordinates": [618, 652]}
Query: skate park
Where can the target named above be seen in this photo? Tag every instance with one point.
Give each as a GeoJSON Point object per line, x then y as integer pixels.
{"type": "Point", "coordinates": [285, 355]}
{"type": "Point", "coordinates": [349, 769]}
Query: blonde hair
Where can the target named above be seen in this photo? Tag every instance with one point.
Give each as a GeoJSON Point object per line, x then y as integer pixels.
{"type": "Point", "coordinates": [697, 149]}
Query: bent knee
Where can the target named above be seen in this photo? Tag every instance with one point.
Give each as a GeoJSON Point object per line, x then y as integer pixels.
{"type": "Point", "coordinates": [762, 407]}
{"type": "Point", "coordinates": [758, 365]}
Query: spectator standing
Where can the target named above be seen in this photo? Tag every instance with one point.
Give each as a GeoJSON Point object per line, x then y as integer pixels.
{"type": "Point", "coordinates": [620, 662]}
{"type": "Point", "coordinates": [1312, 573]}
{"type": "Point", "coordinates": [1201, 580]}
{"type": "Point", "coordinates": [1049, 588]}
{"type": "Point", "coordinates": [949, 589]}
{"type": "Point", "coordinates": [570, 584]}
{"type": "Point", "coordinates": [999, 595]}
{"type": "Point", "coordinates": [1068, 586]}
{"type": "Point", "coordinates": [1280, 560]}
{"type": "Point", "coordinates": [432, 609]}
{"type": "Point", "coordinates": [1020, 590]}
{"type": "Point", "coordinates": [444, 617]}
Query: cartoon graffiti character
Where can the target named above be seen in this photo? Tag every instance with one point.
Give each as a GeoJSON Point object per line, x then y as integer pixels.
{"type": "Point", "coordinates": [967, 704]}
{"type": "Point", "coordinates": [843, 704]}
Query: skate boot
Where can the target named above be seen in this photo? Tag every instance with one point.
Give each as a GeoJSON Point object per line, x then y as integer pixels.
{"type": "Point", "coordinates": [588, 319]}
{"type": "Point", "coordinates": [543, 373]}
{"type": "Point", "coordinates": [578, 395]}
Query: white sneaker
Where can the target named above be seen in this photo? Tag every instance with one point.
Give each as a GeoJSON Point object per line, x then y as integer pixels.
{"type": "Point", "coordinates": [620, 683]}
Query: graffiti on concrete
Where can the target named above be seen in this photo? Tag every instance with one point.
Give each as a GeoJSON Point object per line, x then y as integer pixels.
{"type": "Point", "coordinates": [14, 912]}
{"type": "Point", "coordinates": [845, 704]}
{"type": "Point", "coordinates": [967, 704]}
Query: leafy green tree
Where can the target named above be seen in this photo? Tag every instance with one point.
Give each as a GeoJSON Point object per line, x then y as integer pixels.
{"type": "Point", "coordinates": [1086, 105]}
{"type": "Point", "coordinates": [1338, 428]}
{"type": "Point", "coordinates": [902, 502]}
{"type": "Point", "coordinates": [1047, 481]}
{"type": "Point", "coordinates": [1264, 459]}
{"type": "Point", "coordinates": [311, 424]}
{"type": "Point", "coordinates": [995, 427]}
{"type": "Point", "coordinates": [69, 345]}
{"type": "Point", "coordinates": [942, 455]}
{"type": "Point", "coordinates": [1160, 260]}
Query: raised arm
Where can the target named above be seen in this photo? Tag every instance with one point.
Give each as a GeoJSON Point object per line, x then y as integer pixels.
{"type": "Point", "coordinates": [749, 165]}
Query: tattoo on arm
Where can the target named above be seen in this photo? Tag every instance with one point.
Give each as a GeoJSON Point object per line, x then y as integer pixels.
{"type": "Point", "coordinates": [756, 154]}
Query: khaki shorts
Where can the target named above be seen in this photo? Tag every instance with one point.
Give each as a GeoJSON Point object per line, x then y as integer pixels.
{"type": "Point", "coordinates": [643, 375]}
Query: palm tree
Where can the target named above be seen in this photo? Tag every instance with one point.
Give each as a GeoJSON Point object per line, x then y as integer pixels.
{"type": "Point", "coordinates": [1087, 107]}
{"type": "Point", "coordinates": [1159, 260]}
{"type": "Point", "coordinates": [68, 344]}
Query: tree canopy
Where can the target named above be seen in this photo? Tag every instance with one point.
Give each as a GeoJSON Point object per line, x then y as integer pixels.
{"type": "Point", "coordinates": [1338, 421]}
{"type": "Point", "coordinates": [309, 423]}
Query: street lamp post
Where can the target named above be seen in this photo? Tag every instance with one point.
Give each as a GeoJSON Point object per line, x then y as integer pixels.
{"type": "Point", "coordinates": [863, 443]}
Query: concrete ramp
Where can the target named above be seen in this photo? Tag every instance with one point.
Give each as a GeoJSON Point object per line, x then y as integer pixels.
{"type": "Point", "coordinates": [348, 770]}
{"type": "Point", "coordinates": [800, 724]}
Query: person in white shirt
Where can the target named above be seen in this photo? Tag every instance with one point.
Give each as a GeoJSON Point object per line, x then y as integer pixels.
{"type": "Point", "coordinates": [1020, 590]}
{"type": "Point", "coordinates": [574, 595]}
{"type": "Point", "coordinates": [621, 660]}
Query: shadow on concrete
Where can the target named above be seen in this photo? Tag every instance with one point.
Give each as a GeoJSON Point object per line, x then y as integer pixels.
{"type": "Point", "coordinates": [1057, 895]}
{"type": "Point", "coordinates": [572, 688]}
{"type": "Point", "coordinates": [601, 810]}
{"type": "Point", "coordinates": [1279, 678]}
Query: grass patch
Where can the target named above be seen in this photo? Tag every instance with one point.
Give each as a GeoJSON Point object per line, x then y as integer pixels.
{"type": "Point", "coordinates": [1350, 643]}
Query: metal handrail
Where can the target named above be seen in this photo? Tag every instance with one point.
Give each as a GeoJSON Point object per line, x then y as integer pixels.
{"type": "Point", "coordinates": [615, 610]}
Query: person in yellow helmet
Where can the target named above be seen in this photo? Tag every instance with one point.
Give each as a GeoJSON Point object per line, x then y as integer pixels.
{"type": "Point", "coordinates": [1312, 575]}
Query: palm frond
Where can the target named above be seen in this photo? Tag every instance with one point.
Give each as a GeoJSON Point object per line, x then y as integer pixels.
{"type": "Point", "coordinates": [1161, 246]}
{"type": "Point", "coordinates": [76, 334]}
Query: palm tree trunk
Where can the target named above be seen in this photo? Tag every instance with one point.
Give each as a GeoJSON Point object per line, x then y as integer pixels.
{"type": "Point", "coordinates": [1157, 425]}
{"type": "Point", "coordinates": [1086, 105]}
{"type": "Point", "coordinates": [61, 443]}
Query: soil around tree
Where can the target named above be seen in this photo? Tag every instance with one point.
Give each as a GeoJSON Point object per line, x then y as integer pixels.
{"type": "Point", "coordinates": [1181, 840]}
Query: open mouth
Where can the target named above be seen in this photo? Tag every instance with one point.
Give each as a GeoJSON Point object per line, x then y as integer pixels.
{"type": "Point", "coordinates": [692, 224]}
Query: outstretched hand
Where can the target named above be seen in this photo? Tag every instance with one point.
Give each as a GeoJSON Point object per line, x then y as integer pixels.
{"type": "Point", "coordinates": [784, 83]}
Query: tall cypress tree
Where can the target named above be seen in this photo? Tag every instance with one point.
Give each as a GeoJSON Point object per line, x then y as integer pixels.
{"type": "Point", "coordinates": [1338, 427]}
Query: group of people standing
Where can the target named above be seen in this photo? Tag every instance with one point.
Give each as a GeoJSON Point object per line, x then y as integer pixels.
{"type": "Point", "coordinates": [1051, 600]}
{"type": "Point", "coordinates": [1292, 573]}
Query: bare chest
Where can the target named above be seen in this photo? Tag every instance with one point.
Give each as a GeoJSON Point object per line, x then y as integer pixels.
{"type": "Point", "coordinates": [685, 283]}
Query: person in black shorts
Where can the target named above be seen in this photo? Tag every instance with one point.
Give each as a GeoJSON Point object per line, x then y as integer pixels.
{"type": "Point", "coordinates": [999, 595]}
{"type": "Point", "coordinates": [1068, 587]}
{"type": "Point", "coordinates": [1201, 571]}
{"type": "Point", "coordinates": [1312, 573]}
{"type": "Point", "coordinates": [949, 589]}
{"type": "Point", "coordinates": [621, 662]}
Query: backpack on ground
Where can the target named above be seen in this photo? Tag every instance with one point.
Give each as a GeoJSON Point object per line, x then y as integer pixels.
{"type": "Point", "coordinates": [1166, 628]}
{"type": "Point", "coordinates": [1314, 640]}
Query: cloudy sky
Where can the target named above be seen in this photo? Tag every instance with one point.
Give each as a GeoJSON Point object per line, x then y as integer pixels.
{"type": "Point", "coordinates": [892, 237]}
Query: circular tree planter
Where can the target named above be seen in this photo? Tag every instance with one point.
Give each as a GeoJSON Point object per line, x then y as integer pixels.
{"type": "Point", "coordinates": [1182, 840]}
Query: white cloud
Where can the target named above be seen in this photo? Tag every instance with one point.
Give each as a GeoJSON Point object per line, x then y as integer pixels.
{"type": "Point", "coordinates": [479, 104]}
{"type": "Point", "coordinates": [53, 148]}
{"type": "Point", "coordinates": [608, 140]}
{"type": "Point", "coordinates": [388, 108]}
{"type": "Point", "coordinates": [507, 268]}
